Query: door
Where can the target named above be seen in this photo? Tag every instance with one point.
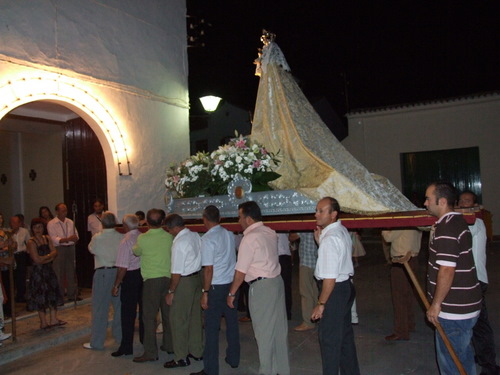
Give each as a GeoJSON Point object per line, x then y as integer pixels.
{"type": "Point", "coordinates": [85, 180]}
{"type": "Point", "coordinates": [459, 166]}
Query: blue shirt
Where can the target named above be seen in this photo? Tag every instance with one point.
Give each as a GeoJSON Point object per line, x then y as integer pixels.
{"type": "Point", "coordinates": [218, 250]}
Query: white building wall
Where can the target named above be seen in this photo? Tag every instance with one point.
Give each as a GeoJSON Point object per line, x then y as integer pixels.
{"type": "Point", "coordinates": [128, 56]}
{"type": "Point", "coordinates": [378, 138]}
{"type": "Point", "coordinates": [136, 43]}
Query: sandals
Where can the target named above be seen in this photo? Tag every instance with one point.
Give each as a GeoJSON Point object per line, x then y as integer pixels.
{"type": "Point", "coordinates": [45, 329]}
{"type": "Point", "coordinates": [59, 323]}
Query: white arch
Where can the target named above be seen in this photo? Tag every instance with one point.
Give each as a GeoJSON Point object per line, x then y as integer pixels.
{"type": "Point", "coordinates": [60, 89]}
{"type": "Point", "coordinates": [81, 99]}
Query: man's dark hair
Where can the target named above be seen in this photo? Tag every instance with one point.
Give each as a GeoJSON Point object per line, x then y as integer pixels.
{"type": "Point", "coordinates": [334, 204]}
{"type": "Point", "coordinates": [140, 215]}
{"type": "Point", "coordinates": [98, 200]}
{"type": "Point", "coordinates": [174, 220]}
{"type": "Point", "coordinates": [444, 189]}
{"type": "Point", "coordinates": [20, 217]}
{"type": "Point", "coordinates": [155, 217]}
{"type": "Point", "coordinates": [251, 209]}
{"type": "Point", "coordinates": [212, 214]}
{"type": "Point", "coordinates": [474, 196]}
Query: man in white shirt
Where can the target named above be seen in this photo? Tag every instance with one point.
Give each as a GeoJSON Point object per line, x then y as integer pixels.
{"type": "Point", "coordinates": [64, 235]}
{"type": "Point", "coordinates": [21, 237]}
{"type": "Point", "coordinates": [184, 294]}
{"type": "Point", "coordinates": [334, 270]}
{"type": "Point", "coordinates": [483, 338]}
{"type": "Point", "coordinates": [94, 220]}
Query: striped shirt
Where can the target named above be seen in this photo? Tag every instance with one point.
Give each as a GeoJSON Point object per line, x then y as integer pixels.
{"type": "Point", "coordinates": [451, 246]}
{"type": "Point", "coordinates": [126, 258]}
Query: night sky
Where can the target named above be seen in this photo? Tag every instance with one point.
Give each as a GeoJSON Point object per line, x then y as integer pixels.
{"type": "Point", "coordinates": [383, 52]}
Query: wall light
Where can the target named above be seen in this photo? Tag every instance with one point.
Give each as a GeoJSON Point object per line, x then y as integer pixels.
{"type": "Point", "coordinates": [210, 102]}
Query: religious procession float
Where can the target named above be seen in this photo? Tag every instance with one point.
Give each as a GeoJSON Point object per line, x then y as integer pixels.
{"type": "Point", "coordinates": [289, 162]}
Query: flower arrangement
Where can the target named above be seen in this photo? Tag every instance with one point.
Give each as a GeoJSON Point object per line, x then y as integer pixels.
{"type": "Point", "coordinates": [204, 174]}
{"type": "Point", "coordinates": [191, 177]}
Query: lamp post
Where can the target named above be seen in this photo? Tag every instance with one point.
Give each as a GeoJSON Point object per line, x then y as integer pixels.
{"type": "Point", "coordinates": [210, 102]}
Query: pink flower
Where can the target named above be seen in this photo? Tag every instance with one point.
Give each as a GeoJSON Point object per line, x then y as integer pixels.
{"type": "Point", "coordinates": [256, 164]}
{"type": "Point", "coordinates": [240, 143]}
{"type": "Point", "coordinates": [263, 151]}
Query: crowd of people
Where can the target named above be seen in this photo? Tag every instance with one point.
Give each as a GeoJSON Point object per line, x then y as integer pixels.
{"type": "Point", "coordinates": [172, 271]}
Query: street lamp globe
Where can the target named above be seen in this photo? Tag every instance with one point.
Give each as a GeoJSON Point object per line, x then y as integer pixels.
{"type": "Point", "coordinates": [210, 102]}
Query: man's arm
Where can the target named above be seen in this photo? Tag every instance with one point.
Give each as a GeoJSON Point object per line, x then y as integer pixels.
{"type": "Point", "coordinates": [239, 277]}
{"type": "Point", "coordinates": [54, 235]}
{"type": "Point", "coordinates": [174, 281]}
{"type": "Point", "coordinates": [326, 291]}
{"type": "Point", "coordinates": [74, 237]}
{"type": "Point", "coordinates": [389, 235]}
{"type": "Point", "coordinates": [118, 281]}
{"type": "Point", "coordinates": [443, 285]}
{"type": "Point", "coordinates": [91, 245]}
{"type": "Point", "coordinates": [208, 274]}
{"type": "Point", "coordinates": [136, 249]}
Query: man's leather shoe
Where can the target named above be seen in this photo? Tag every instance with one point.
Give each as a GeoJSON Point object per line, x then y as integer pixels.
{"type": "Point", "coordinates": [302, 328]}
{"type": "Point", "coordinates": [227, 361]}
{"type": "Point", "coordinates": [143, 359]}
{"type": "Point", "coordinates": [195, 358]}
{"type": "Point", "coordinates": [395, 337]}
{"type": "Point", "coordinates": [202, 372]}
{"type": "Point", "coordinates": [180, 363]}
{"type": "Point", "coordinates": [119, 353]}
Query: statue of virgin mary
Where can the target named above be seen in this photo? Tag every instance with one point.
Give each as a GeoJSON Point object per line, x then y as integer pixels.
{"type": "Point", "coordinates": [313, 161]}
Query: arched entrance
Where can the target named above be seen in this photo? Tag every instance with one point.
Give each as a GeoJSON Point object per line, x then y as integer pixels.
{"type": "Point", "coordinates": [82, 98]}
{"type": "Point", "coordinates": [58, 161]}
{"type": "Point", "coordinates": [93, 149]}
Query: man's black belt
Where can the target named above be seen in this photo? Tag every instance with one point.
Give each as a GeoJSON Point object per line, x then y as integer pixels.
{"type": "Point", "coordinates": [257, 279]}
{"type": "Point", "coordinates": [105, 268]}
{"type": "Point", "coordinates": [191, 274]}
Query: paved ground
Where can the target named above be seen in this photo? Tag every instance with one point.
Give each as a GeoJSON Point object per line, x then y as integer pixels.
{"type": "Point", "coordinates": [60, 351]}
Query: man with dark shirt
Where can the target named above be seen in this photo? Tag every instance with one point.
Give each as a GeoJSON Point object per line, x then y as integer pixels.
{"type": "Point", "coordinates": [452, 284]}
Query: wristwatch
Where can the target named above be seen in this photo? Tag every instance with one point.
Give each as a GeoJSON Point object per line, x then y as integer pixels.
{"type": "Point", "coordinates": [204, 291]}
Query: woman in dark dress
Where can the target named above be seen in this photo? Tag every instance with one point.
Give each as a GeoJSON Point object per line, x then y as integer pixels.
{"type": "Point", "coordinates": [44, 288]}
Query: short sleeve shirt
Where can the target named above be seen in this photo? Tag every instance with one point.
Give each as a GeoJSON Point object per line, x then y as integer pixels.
{"type": "Point", "coordinates": [258, 253]}
{"type": "Point", "coordinates": [186, 253]}
{"type": "Point", "coordinates": [218, 250]}
{"type": "Point", "coordinates": [334, 254]}
{"type": "Point", "coordinates": [155, 249]}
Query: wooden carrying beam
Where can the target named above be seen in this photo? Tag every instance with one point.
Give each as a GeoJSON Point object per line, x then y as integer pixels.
{"type": "Point", "coordinates": [405, 219]}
